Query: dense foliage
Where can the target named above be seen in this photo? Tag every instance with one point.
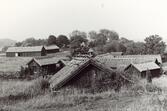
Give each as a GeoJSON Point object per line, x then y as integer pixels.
{"type": "Point", "coordinates": [103, 41]}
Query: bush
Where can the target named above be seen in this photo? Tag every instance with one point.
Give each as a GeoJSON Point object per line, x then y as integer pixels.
{"type": "Point", "coordinates": [138, 89]}
{"type": "Point", "coordinates": [153, 88]}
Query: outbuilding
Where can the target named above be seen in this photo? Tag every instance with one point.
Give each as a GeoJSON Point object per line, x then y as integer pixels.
{"type": "Point", "coordinates": [26, 51]}
{"type": "Point", "coordinates": [140, 70]}
{"type": "Point", "coordinates": [45, 65]}
{"type": "Point", "coordinates": [85, 75]}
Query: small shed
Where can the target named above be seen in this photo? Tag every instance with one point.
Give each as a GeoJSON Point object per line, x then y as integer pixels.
{"type": "Point", "coordinates": [31, 51]}
{"type": "Point", "coordinates": [140, 70]}
{"type": "Point", "coordinates": [52, 49]}
{"type": "Point", "coordinates": [45, 65]}
{"type": "Point", "coordinates": [84, 74]}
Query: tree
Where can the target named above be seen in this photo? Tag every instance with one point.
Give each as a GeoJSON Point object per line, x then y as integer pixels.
{"type": "Point", "coordinates": [114, 46]}
{"type": "Point", "coordinates": [31, 42]}
{"type": "Point", "coordinates": [76, 39]}
{"type": "Point", "coordinates": [51, 40]}
{"type": "Point", "coordinates": [18, 44]}
{"type": "Point", "coordinates": [154, 45]}
{"type": "Point", "coordinates": [92, 35]}
{"type": "Point", "coordinates": [110, 35]}
{"type": "Point", "coordinates": [78, 33]}
{"type": "Point", "coordinates": [125, 41]}
{"type": "Point", "coordinates": [135, 48]}
{"type": "Point", "coordinates": [62, 41]}
{"type": "Point", "coordinates": [100, 40]}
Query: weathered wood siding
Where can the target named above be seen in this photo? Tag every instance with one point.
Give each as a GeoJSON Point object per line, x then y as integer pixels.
{"type": "Point", "coordinates": [50, 69]}
{"type": "Point", "coordinates": [91, 78]}
{"type": "Point", "coordinates": [134, 72]}
{"type": "Point", "coordinates": [35, 69]}
{"type": "Point", "coordinates": [27, 54]}
{"type": "Point", "coordinates": [52, 51]}
{"type": "Point", "coordinates": [10, 54]}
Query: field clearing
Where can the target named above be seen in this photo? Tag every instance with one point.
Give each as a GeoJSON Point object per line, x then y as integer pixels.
{"type": "Point", "coordinates": [12, 64]}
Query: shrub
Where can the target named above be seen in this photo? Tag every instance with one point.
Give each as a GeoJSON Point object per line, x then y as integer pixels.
{"type": "Point", "coordinates": [153, 88]}
{"type": "Point", "coordinates": [138, 89]}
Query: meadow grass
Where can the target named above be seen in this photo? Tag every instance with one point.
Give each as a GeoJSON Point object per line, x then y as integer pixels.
{"type": "Point", "coordinates": [13, 87]}
{"type": "Point", "coordinates": [131, 99]}
{"type": "Point", "coordinates": [12, 64]}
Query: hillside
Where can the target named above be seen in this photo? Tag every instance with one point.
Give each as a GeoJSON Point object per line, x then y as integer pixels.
{"type": "Point", "coordinates": [6, 42]}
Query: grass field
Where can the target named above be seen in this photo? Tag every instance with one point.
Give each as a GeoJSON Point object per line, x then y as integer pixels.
{"type": "Point", "coordinates": [12, 64]}
{"type": "Point", "coordinates": [125, 100]}
{"type": "Point", "coordinates": [12, 87]}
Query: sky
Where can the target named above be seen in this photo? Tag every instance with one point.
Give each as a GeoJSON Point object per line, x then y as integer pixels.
{"type": "Point", "coordinates": [132, 19]}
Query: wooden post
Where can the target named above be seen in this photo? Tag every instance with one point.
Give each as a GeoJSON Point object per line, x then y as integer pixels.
{"type": "Point", "coordinates": [93, 83]}
{"type": "Point", "coordinates": [148, 76]}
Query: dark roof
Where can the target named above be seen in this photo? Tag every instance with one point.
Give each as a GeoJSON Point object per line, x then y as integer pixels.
{"type": "Point", "coordinates": [51, 47]}
{"type": "Point", "coordinates": [25, 49]}
{"type": "Point", "coordinates": [42, 61]}
{"type": "Point", "coordinates": [72, 69]}
{"type": "Point", "coordinates": [145, 66]}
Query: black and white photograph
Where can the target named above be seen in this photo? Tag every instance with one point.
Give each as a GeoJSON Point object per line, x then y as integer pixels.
{"type": "Point", "coordinates": [83, 55]}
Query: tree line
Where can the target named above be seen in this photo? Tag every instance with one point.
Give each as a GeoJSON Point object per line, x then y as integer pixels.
{"type": "Point", "coordinates": [102, 41]}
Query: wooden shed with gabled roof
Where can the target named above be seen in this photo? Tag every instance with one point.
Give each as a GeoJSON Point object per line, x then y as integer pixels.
{"type": "Point", "coordinates": [45, 65]}
{"type": "Point", "coordinates": [84, 74]}
{"type": "Point", "coordinates": [30, 51]}
{"type": "Point", "coordinates": [140, 69]}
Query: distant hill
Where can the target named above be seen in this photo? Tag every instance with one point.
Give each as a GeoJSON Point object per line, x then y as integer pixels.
{"type": "Point", "coordinates": [6, 42]}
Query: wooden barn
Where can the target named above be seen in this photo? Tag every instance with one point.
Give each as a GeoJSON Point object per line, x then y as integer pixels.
{"type": "Point", "coordinates": [140, 70]}
{"type": "Point", "coordinates": [26, 51]}
{"type": "Point", "coordinates": [84, 74]}
{"type": "Point", "coordinates": [45, 65]}
{"type": "Point", "coordinates": [52, 49]}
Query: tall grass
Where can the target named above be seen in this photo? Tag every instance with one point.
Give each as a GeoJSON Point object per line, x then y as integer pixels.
{"type": "Point", "coordinates": [140, 97]}
{"type": "Point", "coordinates": [13, 92]}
